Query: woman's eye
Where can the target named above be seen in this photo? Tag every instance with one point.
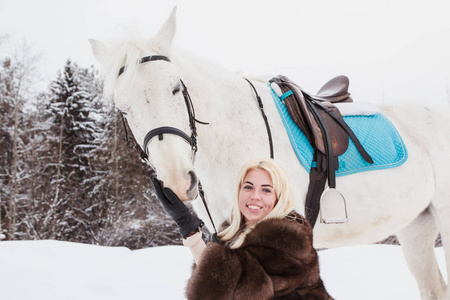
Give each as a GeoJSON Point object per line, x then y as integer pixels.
{"type": "Point", "coordinates": [267, 191]}
{"type": "Point", "coordinates": [247, 187]}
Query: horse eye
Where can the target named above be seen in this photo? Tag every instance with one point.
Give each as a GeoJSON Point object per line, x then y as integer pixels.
{"type": "Point", "coordinates": [176, 89]}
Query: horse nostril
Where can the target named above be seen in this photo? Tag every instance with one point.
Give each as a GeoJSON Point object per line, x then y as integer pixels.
{"type": "Point", "coordinates": [194, 181]}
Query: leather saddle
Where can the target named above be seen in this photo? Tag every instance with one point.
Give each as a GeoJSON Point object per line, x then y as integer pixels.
{"type": "Point", "coordinates": [322, 123]}
{"type": "Point", "coordinates": [302, 106]}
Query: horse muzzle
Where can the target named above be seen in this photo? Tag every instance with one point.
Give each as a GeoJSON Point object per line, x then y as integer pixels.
{"type": "Point", "coordinates": [192, 191]}
{"type": "Point", "coordinates": [185, 187]}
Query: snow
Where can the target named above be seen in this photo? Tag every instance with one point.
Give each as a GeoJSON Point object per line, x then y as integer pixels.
{"type": "Point", "coordinates": [71, 271]}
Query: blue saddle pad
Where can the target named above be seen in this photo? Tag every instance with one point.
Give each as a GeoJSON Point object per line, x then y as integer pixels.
{"type": "Point", "coordinates": [375, 132]}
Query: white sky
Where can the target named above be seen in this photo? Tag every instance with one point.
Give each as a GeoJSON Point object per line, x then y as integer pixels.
{"type": "Point", "coordinates": [390, 49]}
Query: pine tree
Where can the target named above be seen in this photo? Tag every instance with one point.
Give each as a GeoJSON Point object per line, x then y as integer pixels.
{"type": "Point", "coordinates": [17, 78]}
{"type": "Point", "coordinates": [72, 135]}
{"type": "Point", "coordinates": [36, 185]}
{"type": "Point", "coordinates": [7, 91]}
{"type": "Point", "coordinates": [13, 80]}
{"type": "Point", "coordinates": [67, 171]}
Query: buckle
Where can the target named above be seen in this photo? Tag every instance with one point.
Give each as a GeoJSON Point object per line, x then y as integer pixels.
{"type": "Point", "coordinates": [332, 200]}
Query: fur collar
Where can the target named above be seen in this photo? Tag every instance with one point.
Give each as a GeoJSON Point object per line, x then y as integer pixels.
{"type": "Point", "coordinates": [276, 260]}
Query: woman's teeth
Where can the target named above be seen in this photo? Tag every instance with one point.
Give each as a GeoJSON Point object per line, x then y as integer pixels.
{"type": "Point", "coordinates": [254, 207]}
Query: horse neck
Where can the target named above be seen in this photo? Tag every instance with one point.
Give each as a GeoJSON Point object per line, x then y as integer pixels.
{"type": "Point", "coordinates": [209, 83]}
{"type": "Point", "coordinates": [229, 104]}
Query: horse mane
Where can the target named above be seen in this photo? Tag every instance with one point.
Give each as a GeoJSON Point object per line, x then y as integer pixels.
{"type": "Point", "coordinates": [129, 49]}
{"type": "Point", "coordinates": [125, 51]}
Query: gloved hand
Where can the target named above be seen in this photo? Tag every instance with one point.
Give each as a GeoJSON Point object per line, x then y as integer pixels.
{"type": "Point", "coordinates": [176, 209]}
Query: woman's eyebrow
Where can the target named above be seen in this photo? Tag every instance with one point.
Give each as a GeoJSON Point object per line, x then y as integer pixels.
{"type": "Point", "coordinates": [264, 185]}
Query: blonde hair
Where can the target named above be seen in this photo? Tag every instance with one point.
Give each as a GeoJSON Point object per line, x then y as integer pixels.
{"type": "Point", "coordinates": [282, 187]}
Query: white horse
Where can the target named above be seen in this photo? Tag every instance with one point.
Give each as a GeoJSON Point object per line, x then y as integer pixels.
{"type": "Point", "coordinates": [411, 201]}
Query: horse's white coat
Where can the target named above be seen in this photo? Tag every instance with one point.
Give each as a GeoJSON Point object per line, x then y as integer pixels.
{"type": "Point", "coordinates": [411, 201]}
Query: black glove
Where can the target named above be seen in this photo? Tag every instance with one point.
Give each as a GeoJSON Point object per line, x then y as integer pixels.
{"type": "Point", "coordinates": [176, 209]}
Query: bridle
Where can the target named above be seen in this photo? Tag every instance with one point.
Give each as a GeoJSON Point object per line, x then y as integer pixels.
{"type": "Point", "coordinates": [160, 131]}
{"type": "Point", "coordinates": [192, 139]}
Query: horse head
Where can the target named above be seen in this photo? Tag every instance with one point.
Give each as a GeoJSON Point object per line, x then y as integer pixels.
{"type": "Point", "coordinates": [146, 87]}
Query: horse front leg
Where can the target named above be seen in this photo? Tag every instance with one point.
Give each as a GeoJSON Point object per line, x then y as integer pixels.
{"type": "Point", "coordinates": [417, 241]}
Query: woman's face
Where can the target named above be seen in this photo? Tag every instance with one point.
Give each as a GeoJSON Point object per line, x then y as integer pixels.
{"type": "Point", "coordinates": [256, 197]}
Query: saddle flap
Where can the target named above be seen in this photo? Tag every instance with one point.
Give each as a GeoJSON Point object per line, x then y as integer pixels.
{"type": "Point", "coordinates": [299, 116]}
{"type": "Point", "coordinates": [338, 136]}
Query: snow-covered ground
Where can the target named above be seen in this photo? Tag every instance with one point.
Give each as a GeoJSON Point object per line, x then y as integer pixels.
{"type": "Point", "coordinates": [61, 270]}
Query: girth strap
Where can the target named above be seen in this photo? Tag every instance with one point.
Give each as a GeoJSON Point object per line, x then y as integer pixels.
{"type": "Point", "coordinates": [317, 181]}
{"type": "Point", "coordinates": [331, 162]}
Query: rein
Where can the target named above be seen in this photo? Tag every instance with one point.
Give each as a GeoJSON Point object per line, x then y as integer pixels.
{"type": "Point", "coordinates": [192, 139]}
{"type": "Point", "coordinates": [266, 121]}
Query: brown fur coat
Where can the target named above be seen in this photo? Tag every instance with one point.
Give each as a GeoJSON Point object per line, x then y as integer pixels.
{"type": "Point", "coordinates": [276, 261]}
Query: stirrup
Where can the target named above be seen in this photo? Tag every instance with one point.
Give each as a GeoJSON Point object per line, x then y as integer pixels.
{"type": "Point", "coordinates": [338, 220]}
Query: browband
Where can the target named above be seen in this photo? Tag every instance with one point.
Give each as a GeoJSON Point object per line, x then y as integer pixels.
{"type": "Point", "coordinates": [146, 59]}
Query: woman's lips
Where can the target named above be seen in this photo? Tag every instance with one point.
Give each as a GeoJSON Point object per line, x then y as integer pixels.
{"type": "Point", "coordinates": [253, 207]}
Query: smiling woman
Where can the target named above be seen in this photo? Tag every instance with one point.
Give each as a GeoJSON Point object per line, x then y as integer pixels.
{"type": "Point", "coordinates": [256, 196]}
{"type": "Point", "coordinates": [263, 192]}
{"type": "Point", "coordinates": [264, 250]}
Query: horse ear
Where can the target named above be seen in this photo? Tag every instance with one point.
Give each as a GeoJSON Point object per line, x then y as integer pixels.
{"type": "Point", "coordinates": [163, 40]}
{"type": "Point", "coordinates": [99, 49]}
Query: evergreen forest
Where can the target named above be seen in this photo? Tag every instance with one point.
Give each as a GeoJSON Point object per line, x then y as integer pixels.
{"type": "Point", "coordinates": [68, 169]}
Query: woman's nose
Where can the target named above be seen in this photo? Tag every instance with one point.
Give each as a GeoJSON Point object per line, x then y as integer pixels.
{"type": "Point", "coordinates": [256, 194]}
